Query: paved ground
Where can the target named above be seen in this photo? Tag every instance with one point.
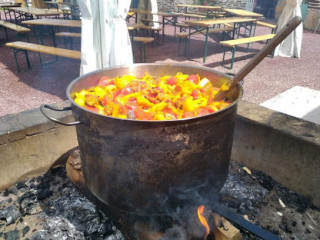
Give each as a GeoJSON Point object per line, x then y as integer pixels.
{"type": "Point", "coordinates": [31, 88]}
{"type": "Point", "coordinates": [300, 102]}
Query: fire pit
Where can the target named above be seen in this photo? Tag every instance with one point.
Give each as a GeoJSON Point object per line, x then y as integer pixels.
{"type": "Point", "coordinates": [51, 207]}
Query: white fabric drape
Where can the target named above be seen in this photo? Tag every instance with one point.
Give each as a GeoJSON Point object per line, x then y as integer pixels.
{"type": "Point", "coordinates": [105, 40]}
{"type": "Point", "coordinates": [151, 6]}
{"type": "Point", "coordinates": [291, 46]}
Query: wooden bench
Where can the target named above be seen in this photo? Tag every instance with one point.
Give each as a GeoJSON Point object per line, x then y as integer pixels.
{"type": "Point", "coordinates": [21, 31]}
{"type": "Point", "coordinates": [155, 31]}
{"type": "Point", "coordinates": [269, 25]}
{"type": "Point", "coordinates": [221, 29]}
{"type": "Point", "coordinates": [182, 27]}
{"type": "Point", "coordinates": [191, 15]}
{"type": "Point", "coordinates": [25, 47]}
{"type": "Point", "coordinates": [142, 41]}
{"type": "Point", "coordinates": [234, 43]}
{"type": "Point", "coordinates": [68, 36]}
{"type": "Point", "coordinates": [134, 26]}
{"type": "Point", "coordinates": [183, 36]}
{"type": "Point", "coordinates": [148, 21]}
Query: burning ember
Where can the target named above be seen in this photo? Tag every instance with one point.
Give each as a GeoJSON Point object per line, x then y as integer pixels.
{"type": "Point", "coordinates": [203, 220]}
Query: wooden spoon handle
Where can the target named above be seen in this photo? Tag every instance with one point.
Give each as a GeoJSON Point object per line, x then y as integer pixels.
{"type": "Point", "coordinates": [267, 49]}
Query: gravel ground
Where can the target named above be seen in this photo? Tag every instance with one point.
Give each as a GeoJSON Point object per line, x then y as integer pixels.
{"type": "Point", "coordinates": [30, 88]}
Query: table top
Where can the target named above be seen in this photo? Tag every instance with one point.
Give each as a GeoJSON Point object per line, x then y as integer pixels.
{"type": "Point", "coordinates": [199, 6]}
{"type": "Point", "coordinates": [54, 22]}
{"type": "Point", "coordinates": [10, 4]}
{"type": "Point", "coordinates": [209, 22]}
{"type": "Point", "coordinates": [164, 14]}
{"type": "Point", "coordinates": [36, 11]}
{"type": "Point", "coordinates": [242, 13]}
{"type": "Point", "coordinates": [169, 14]}
{"type": "Point", "coordinates": [51, 2]}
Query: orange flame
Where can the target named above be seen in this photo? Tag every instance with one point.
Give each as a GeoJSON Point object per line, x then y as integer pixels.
{"type": "Point", "coordinates": [203, 220]}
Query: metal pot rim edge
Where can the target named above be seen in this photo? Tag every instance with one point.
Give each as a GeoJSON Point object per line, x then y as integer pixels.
{"type": "Point", "coordinates": [70, 86]}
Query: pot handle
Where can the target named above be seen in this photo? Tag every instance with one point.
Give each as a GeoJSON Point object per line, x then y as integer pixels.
{"type": "Point", "coordinates": [43, 106]}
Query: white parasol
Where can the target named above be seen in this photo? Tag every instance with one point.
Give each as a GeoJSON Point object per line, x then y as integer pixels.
{"type": "Point", "coordinates": [291, 46]}
{"type": "Point", "coordinates": [105, 40]}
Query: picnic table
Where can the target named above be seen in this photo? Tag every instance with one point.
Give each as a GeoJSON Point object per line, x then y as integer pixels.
{"type": "Point", "coordinates": [10, 5]}
{"type": "Point", "coordinates": [242, 13]}
{"type": "Point", "coordinates": [202, 26]}
{"type": "Point", "coordinates": [29, 12]}
{"type": "Point", "coordinates": [39, 24]}
{"type": "Point", "coordinates": [168, 18]}
{"type": "Point", "coordinates": [50, 4]}
{"type": "Point", "coordinates": [54, 22]}
{"type": "Point", "coordinates": [210, 10]}
{"type": "Point", "coordinates": [5, 7]}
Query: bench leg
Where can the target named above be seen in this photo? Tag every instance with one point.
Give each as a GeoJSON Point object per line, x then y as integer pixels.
{"type": "Point", "coordinates": [51, 29]}
{"type": "Point", "coordinates": [140, 49]}
{"type": "Point", "coordinates": [250, 31]}
{"type": "Point", "coordinates": [6, 31]}
{"type": "Point", "coordinates": [272, 54]}
{"type": "Point", "coordinates": [188, 45]}
{"type": "Point", "coordinates": [185, 46]}
{"type": "Point", "coordinates": [46, 63]}
{"type": "Point", "coordinates": [15, 58]}
{"type": "Point", "coordinates": [144, 53]}
{"type": "Point", "coordinates": [71, 43]}
{"type": "Point", "coordinates": [21, 35]}
{"type": "Point", "coordinates": [65, 42]}
{"type": "Point", "coordinates": [40, 59]}
{"type": "Point", "coordinates": [179, 43]}
{"type": "Point", "coordinates": [15, 52]}
{"type": "Point", "coordinates": [224, 54]}
{"type": "Point", "coordinates": [27, 58]}
{"type": "Point", "coordinates": [234, 49]}
{"type": "Point", "coordinates": [133, 56]}
{"type": "Point", "coordinates": [206, 46]}
{"type": "Point", "coordinates": [233, 53]}
{"type": "Point", "coordinates": [254, 29]}
{"type": "Point", "coordinates": [184, 40]}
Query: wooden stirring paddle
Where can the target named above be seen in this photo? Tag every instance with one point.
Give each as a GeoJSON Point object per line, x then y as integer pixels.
{"type": "Point", "coordinates": [267, 49]}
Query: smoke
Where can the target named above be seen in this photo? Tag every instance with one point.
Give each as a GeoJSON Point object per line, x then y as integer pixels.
{"type": "Point", "coordinates": [180, 221]}
{"type": "Point", "coordinates": [175, 233]}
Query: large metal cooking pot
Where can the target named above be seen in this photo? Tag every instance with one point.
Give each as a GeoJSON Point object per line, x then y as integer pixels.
{"type": "Point", "coordinates": [150, 167]}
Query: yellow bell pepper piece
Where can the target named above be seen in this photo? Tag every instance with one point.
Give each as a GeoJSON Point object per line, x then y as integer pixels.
{"type": "Point", "coordinates": [80, 101]}
{"type": "Point", "coordinates": [122, 82]}
{"type": "Point", "coordinates": [188, 105]}
{"type": "Point", "coordinates": [158, 107]}
{"type": "Point", "coordinates": [201, 102]}
{"type": "Point", "coordinates": [224, 87]}
{"type": "Point", "coordinates": [124, 99]}
{"type": "Point", "coordinates": [122, 116]}
{"type": "Point", "coordinates": [159, 116]}
{"type": "Point", "coordinates": [142, 101]}
{"type": "Point", "coordinates": [82, 94]}
{"type": "Point", "coordinates": [100, 92]}
{"type": "Point", "coordinates": [115, 110]}
{"type": "Point", "coordinates": [110, 88]}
